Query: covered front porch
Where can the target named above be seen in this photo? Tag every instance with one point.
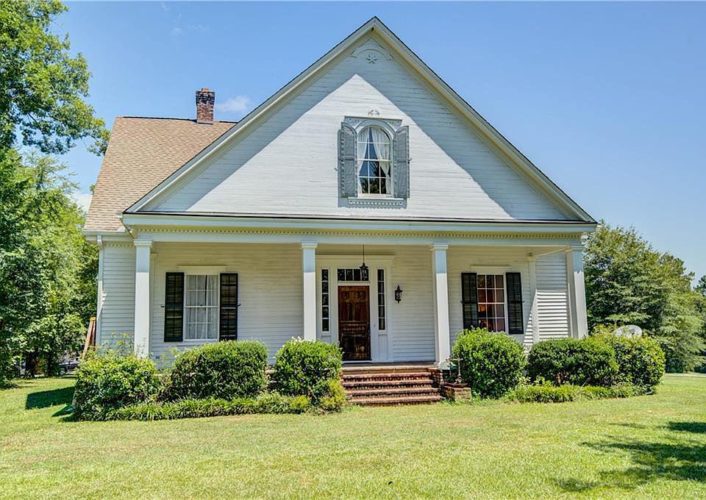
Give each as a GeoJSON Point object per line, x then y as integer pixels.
{"type": "Point", "coordinates": [404, 300]}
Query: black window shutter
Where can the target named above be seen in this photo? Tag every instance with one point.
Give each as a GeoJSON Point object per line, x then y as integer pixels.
{"type": "Point", "coordinates": [514, 304]}
{"type": "Point", "coordinates": [469, 300]}
{"type": "Point", "coordinates": [347, 176]}
{"type": "Point", "coordinates": [400, 170]}
{"type": "Point", "coordinates": [174, 308]}
{"type": "Point", "coordinates": [229, 307]}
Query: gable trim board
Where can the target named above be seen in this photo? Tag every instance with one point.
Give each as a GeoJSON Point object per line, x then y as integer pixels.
{"type": "Point", "coordinates": [375, 27]}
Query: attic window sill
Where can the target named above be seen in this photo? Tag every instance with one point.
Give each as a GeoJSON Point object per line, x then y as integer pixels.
{"type": "Point", "coordinates": [377, 202]}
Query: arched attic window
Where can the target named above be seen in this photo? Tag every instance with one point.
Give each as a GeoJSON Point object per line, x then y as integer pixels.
{"type": "Point", "coordinates": [374, 161]}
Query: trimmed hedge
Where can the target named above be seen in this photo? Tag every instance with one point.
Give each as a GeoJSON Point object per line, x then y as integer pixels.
{"type": "Point", "coordinates": [222, 370]}
{"type": "Point", "coordinates": [212, 407]}
{"type": "Point", "coordinates": [110, 381]}
{"type": "Point", "coordinates": [563, 393]}
{"type": "Point", "coordinates": [588, 361]}
{"type": "Point", "coordinates": [309, 368]}
{"type": "Point", "coordinates": [640, 359]}
{"type": "Point", "coordinates": [491, 363]}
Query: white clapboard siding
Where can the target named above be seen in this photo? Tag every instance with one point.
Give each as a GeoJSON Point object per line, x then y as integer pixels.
{"type": "Point", "coordinates": [117, 320]}
{"type": "Point", "coordinates": [412, 319]}
{"type": "Point", "coordinates": [474, 259]}
{"type": "Point", "coordinates": [287, 163]}
{"type": "Point", "coordinates": [552, 295]}
{"type": "Point", "coordinates": [269, 291]}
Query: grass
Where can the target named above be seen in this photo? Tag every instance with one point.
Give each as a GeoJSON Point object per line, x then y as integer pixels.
{"type": "Point", "coordinates": [648, 446]}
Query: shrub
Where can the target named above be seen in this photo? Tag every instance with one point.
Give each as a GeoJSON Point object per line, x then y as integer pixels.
{"type": "Point", "coordinates": [107, 382]}
{"type": "Point", "coordinates": [587, 361]}
{"type": "Point", "coordinates": [640, 359]}
{"type": "Point", "coordinates": [223, 370]}
{"type": "Point", "coordinates": [305, 368]}
{"type": "Point", "coordinates": [678, 356]}
{"type": "Point", "coordinates": [335, 399]}
{"type": "Point", "coordinates": [491, 363]}
{"type": "Point", "coordinates": [212, 407]}
{"type": "Point", "coordinates": [547, 393]}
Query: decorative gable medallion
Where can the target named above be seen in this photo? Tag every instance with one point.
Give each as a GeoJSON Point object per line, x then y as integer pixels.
{"type": "Point", "coordinates": [371, 52]}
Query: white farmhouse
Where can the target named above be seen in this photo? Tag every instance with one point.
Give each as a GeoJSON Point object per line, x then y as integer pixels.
{"type": "Point", "coordinates": [364, 204]}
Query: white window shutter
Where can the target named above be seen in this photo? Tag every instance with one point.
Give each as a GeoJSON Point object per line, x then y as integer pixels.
{"type": "Point", "coordinates": [400, 170]}
{"type": "Point", "coordinates": [347, 178]}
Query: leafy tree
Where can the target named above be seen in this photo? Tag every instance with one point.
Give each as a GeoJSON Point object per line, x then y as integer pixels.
{"type": "Point", "coordinates": [701, 286]}
{"type": "Point", "coordinates": [627, 281]}
{"type": "Point", "coordinates": [47, 269]}
{"type": "Point", "coordinates": [45, 287]}
{"type": "Point", "coordinates": [622, 284]}
{"type": "Point", "coordinates": [42, 86]}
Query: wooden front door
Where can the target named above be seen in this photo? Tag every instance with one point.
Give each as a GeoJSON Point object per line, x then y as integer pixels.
{"type": "Point", "coordinates": [354, 322]}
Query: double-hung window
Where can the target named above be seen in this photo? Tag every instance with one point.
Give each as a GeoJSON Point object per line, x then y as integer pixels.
{"type": "Point", "coordinates": [492, 301]}
{"type": "Point", "coordinates": [200, 307]}
{"type": "Point", "coordinates": [374, 161]}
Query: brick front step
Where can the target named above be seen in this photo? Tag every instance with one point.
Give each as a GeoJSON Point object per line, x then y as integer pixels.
{"type": "Point", "coordinates": [385, 376]}
{"type": "Point", "coordinates": [397, 400]}
{"type": "Point", "coordinates": [418, 382]}
{"type": "Point", "coordinates": [390, 385]}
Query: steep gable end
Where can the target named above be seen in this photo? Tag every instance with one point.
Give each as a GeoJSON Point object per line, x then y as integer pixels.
{"type": "Point", "coordinates": [283, 158]}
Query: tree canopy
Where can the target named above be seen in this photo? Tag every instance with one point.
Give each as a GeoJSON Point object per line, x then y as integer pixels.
{"type": "Point", "coordinates": [47, 269]}
{"type": "Point", "coordinates": [42, 86]}
{"type": "Point", "coordinates": [629, 282]}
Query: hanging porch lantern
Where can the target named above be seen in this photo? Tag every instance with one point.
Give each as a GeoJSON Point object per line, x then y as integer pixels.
{"type": "Point", "coordinates": [363, 268]}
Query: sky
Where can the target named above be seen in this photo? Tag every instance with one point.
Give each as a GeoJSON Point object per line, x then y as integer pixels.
{"type": "Point", "coordinates": [608, 99]}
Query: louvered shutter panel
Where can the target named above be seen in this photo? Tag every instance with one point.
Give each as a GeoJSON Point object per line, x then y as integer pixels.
{"type": "Point", "coordinates": [514, 304]}
{"type": "Point", "coordinates": [174, 308]}
{"type": "Point", "coordinates": [348, 185]}
{"type": "Point", "coordinates": [229, 307]}
{"type": "Point", "coordinates": [400, 169]}
{"type": "Point", "coordinates": [469, 300]}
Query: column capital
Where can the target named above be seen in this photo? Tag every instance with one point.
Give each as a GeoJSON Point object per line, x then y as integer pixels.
{"type": "Point", "coordinates": [309, 245]}
{"type": "Point", "coordinates": [143, 243]}
{"type": "Point", "coordinates": [439, 246]}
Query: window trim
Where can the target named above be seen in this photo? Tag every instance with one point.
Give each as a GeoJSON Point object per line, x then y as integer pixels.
{"type": "Point", "coordinates": [390, 127]}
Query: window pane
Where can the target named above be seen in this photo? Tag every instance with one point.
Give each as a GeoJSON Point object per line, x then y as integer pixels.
{"type": "Point", "coordinates": [201, 307]}
{"type": "Point", "coordinates": [491, 301]}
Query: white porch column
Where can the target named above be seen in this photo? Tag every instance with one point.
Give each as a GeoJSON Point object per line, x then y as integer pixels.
{"type": "Point", "coordinates": [441, 302]}
{"type": "Point", "coordinates": [532, 265]}
{"type": "Point", "coordinates": [142, 298]}
{"type": "Point", "coordinates": [309, 291]}
{"type": "Point", "coordinates": [577, 292]}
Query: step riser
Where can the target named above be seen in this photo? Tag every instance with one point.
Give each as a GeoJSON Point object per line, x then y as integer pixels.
{"type": "Point", "coordinates": [423, 391]}
{"type": "Point", "coordinates": [390, 387]}
{"type": "Point", "coordinates": [396, 401]}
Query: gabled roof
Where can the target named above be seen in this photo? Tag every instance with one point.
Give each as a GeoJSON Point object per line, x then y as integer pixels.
{"type": "Point", "coordinates": [142, 152]}
{"type": "Point", "coordinates": [383, 33]}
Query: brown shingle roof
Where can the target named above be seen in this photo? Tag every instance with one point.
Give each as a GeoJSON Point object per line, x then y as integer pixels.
{"type": "Point", "coordinates": [142, 152]}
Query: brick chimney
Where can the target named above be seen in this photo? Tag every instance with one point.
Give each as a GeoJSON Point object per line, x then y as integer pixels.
{"type": "Point", "coordinates": [205, 100]}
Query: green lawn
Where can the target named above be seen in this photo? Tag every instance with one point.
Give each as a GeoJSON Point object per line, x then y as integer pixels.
{"type": "Point", "coordinates": [647, 446]}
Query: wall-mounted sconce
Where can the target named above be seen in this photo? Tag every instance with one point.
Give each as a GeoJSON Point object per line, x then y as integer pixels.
{"type": "Point", "coordinates": [398, 294]}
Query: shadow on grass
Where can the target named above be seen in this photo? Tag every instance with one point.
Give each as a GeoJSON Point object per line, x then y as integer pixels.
{"type": "Point", "coordinates": [695, 427]}
{"type": "Point", "coordinates": [45, 399]}
{"type": "Point", "coordinates": [678, 459]}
